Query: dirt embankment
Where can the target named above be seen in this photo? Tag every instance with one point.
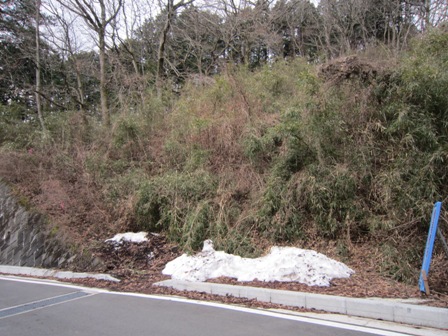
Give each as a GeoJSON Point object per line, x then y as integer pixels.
{"type": "Point", "coordinates": [140, 265]}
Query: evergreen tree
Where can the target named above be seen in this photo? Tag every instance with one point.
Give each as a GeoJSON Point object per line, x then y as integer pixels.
{"type": "Point", "coordinates": [17, 45]}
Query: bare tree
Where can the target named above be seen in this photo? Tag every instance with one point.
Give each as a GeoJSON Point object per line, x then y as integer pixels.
{"type": "Point", "coordinates": [130, 26]}
{"type": "Point", "coordinates": [38, 68]}
{"type": "Point", "coordinates": [197, 42]}
{"type": "Point", "coordinates": [431, 12]}
{"type": "Point", "coordinates": [128, 49]}
{"type": "Point", "coordinates": [63, 37]}
{"type": "Point", "coordinates": [352, 24]}
{"type": "Point", "coordinates": [170, 9]}
{"type": "Point", "coordinates": [296, 23]}
{"type": "Point", "coordinates": [98, 15]}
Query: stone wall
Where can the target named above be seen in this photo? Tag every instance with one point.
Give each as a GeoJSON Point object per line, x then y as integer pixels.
{"type": "Point", "coordinates": [25, 239]}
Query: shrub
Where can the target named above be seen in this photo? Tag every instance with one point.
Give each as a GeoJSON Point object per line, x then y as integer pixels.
{"type": "Point", "coordinates": [17, 130]}
{"type": "Point", "coordinates": [177, 204]}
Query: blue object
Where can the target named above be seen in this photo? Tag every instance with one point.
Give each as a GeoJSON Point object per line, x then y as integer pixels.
{"type": "Point", "coordinates": [430, 244]}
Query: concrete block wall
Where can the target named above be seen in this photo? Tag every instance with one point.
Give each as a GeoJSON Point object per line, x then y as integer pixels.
{"type": "Point", "coordinates": [24, 239]}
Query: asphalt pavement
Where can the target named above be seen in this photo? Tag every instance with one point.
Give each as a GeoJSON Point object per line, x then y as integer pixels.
{"type": "Point", "coordinates": [404, 311]}
{"type": "Point", "coordinates": [38, 307]}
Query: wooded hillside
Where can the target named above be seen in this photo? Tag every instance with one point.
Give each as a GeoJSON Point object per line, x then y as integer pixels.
{"type": "Point", "coordinates": [252, 124]}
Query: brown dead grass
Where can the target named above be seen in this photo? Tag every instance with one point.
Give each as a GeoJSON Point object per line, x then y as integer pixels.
{"type": "Point", "coordinates": [76, 208]}
{"type": "Point", "coordinates": [350, 67]}
{"type": "Point", "coordinates": [69, 198]}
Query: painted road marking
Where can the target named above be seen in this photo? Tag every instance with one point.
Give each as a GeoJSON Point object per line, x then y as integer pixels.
{"type": "Point", "coordinates": [27, 307]}
{"type": "Point", "coordinates": [53, 283]}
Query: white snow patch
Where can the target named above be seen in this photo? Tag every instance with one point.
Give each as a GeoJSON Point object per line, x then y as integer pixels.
{"type": "Point", "coordinates": [131, 237]}
{"type": "Point", "coordinates": [286, 264]}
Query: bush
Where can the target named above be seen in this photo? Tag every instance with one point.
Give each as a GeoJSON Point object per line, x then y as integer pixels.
{"type": "Point", "coordinates": [271, 156]}
{"type": "Point", "coordinates": [177, 203]}
{"type": "Point", "coordinates": [17, 130]}
{"type": "Point", "coordinates": [425, 79]}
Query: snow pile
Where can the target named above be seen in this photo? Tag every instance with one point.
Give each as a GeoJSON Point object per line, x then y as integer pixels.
{"type": "Point", "coordinates": [286, 264]}
{"type": "Point", "coordinates": [130, 237]}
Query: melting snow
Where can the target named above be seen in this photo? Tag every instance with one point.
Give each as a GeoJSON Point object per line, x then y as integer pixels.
{"type": "Point", "coordinates": [286, 264]}
{"type": "Point", "coordinates": [131, 237]}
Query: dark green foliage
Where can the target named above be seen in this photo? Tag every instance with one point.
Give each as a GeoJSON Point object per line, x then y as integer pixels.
{"type": "Point", "coordinates": [426, 79]}
{"type": "Point", "coordinates": [16, 128]}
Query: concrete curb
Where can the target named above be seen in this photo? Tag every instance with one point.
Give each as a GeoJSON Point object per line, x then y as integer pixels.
{"type": "Point", "coordinates": [381, 309]}
{"type": "Point", "coordinates": [40, 272]}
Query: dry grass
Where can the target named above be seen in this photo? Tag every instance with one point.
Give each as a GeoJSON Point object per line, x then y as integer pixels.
{"type": "Point", "coordinates": [274, 156]}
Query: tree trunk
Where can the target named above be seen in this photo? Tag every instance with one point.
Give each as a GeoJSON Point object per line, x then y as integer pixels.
{"type": "Point", "coordinates": [80, 92]}
{"type": "Point", "coordinates": [161, 50]}
{"type": "Point", "coordinates": [103, 92]}
{"type": "Point", "coordinates": [427, 23]}
{"type": "Point", "coordinates": [170, 10]}
{"type": "Point", "coordinates": [38, 69]}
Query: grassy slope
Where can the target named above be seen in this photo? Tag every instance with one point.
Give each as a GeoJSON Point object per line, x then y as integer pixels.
{"type": "Point", "coordinates": [344, 155]}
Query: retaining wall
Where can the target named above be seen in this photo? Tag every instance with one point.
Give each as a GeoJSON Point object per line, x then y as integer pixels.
{"type": "Point", "coordinates": [25, 239]}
